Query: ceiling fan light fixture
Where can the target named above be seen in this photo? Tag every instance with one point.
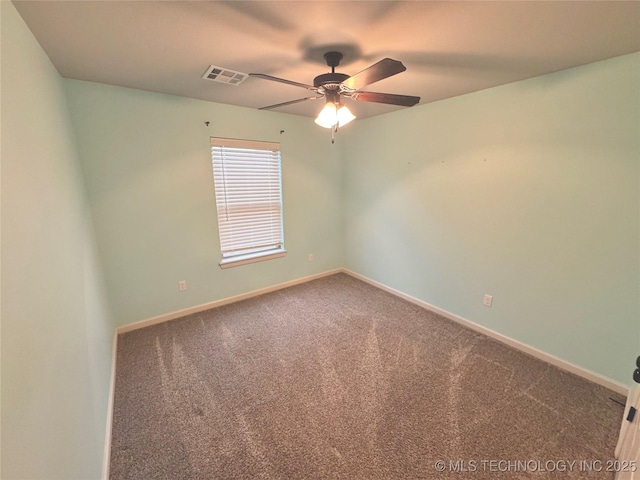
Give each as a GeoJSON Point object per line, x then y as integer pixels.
{"type": "Point", "coordinates": [328, 116]}
{"type": "Point", "coordinates": [344, 116]}
{"type": "Point", "coordinates": [332, 115]}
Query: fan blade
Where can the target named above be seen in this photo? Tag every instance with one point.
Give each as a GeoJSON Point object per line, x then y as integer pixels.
{"type": "Point", "coordinates": [282, 80]}
{"type": "Point", "coordinates": [390, 98]}
{"type": "Point", "coordinates": [288, 103]}
{"type": "Point", "coordinates": [383, 69]}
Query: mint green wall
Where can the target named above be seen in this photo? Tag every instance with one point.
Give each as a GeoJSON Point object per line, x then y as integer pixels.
{"type": "Point", "coordinates": [147, 164]}
{"type": "Point", "coordinates": [528, 192]}
{"type": "Point", "coordinates": [56, 328]}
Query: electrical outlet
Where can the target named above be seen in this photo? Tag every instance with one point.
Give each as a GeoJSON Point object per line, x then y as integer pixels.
{"type": "Point", "coordinates": [182, 285]}
{"type": "Point", "coordinates": [310, 258]}
{"type": "Point", "coordinates": [488, 300]}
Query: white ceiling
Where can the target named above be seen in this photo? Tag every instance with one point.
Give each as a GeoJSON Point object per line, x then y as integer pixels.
{"type": "Point", "coordinates": [449, 48]}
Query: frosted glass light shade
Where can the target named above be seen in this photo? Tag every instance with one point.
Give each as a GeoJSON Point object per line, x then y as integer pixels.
{"type": "Point", "coordinates": [344, 116]}
{"type": "Point", "coordinates": [330, 115]}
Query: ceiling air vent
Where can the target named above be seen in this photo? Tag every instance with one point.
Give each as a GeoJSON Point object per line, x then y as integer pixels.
{"type": "Point", "coordinates": [224, 75]}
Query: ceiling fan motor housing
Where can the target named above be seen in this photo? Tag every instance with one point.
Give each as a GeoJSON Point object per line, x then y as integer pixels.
{"type": "Point", "coordinates": [326, 80]}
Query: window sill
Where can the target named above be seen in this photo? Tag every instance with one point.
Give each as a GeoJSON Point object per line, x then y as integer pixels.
{"type": "Point", "coordinates": [251, 258]}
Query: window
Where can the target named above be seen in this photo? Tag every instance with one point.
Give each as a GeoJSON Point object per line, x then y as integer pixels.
{"type": "Point", "coordinates": [248, 189]}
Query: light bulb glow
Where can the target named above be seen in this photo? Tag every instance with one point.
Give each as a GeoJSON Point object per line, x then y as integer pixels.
{"type": "Point", "coordinates": [327, 117]}
{"type": "Point", "coordinates": [332, 115]}
{"type": "Point", "coordinates": [344, 116]}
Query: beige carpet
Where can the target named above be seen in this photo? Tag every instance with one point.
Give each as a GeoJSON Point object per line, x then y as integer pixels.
{"type": "Point", "coordinates": [335, 379]}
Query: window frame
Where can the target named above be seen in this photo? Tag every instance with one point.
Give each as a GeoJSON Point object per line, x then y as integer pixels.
{"type": "Point", "coordinates": [239, 155]}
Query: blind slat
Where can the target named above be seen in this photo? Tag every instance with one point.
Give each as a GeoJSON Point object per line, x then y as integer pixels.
{"type": "Point", "coordinates": [247, 182]}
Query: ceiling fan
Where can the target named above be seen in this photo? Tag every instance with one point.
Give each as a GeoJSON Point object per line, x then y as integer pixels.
{"type": "Point", "coordinates": [333, 86]}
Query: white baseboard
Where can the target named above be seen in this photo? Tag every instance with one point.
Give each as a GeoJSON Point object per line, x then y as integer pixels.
{"type": "Point", "coordinates": [546, 357]}
{"type": "Point", "coordinates": [112, 388]}
{"type": "Point", "coordinates": [218, 303]}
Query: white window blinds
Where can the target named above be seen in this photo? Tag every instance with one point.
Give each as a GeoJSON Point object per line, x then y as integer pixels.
{"type": "Point", "coordinates": [248, 197]}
